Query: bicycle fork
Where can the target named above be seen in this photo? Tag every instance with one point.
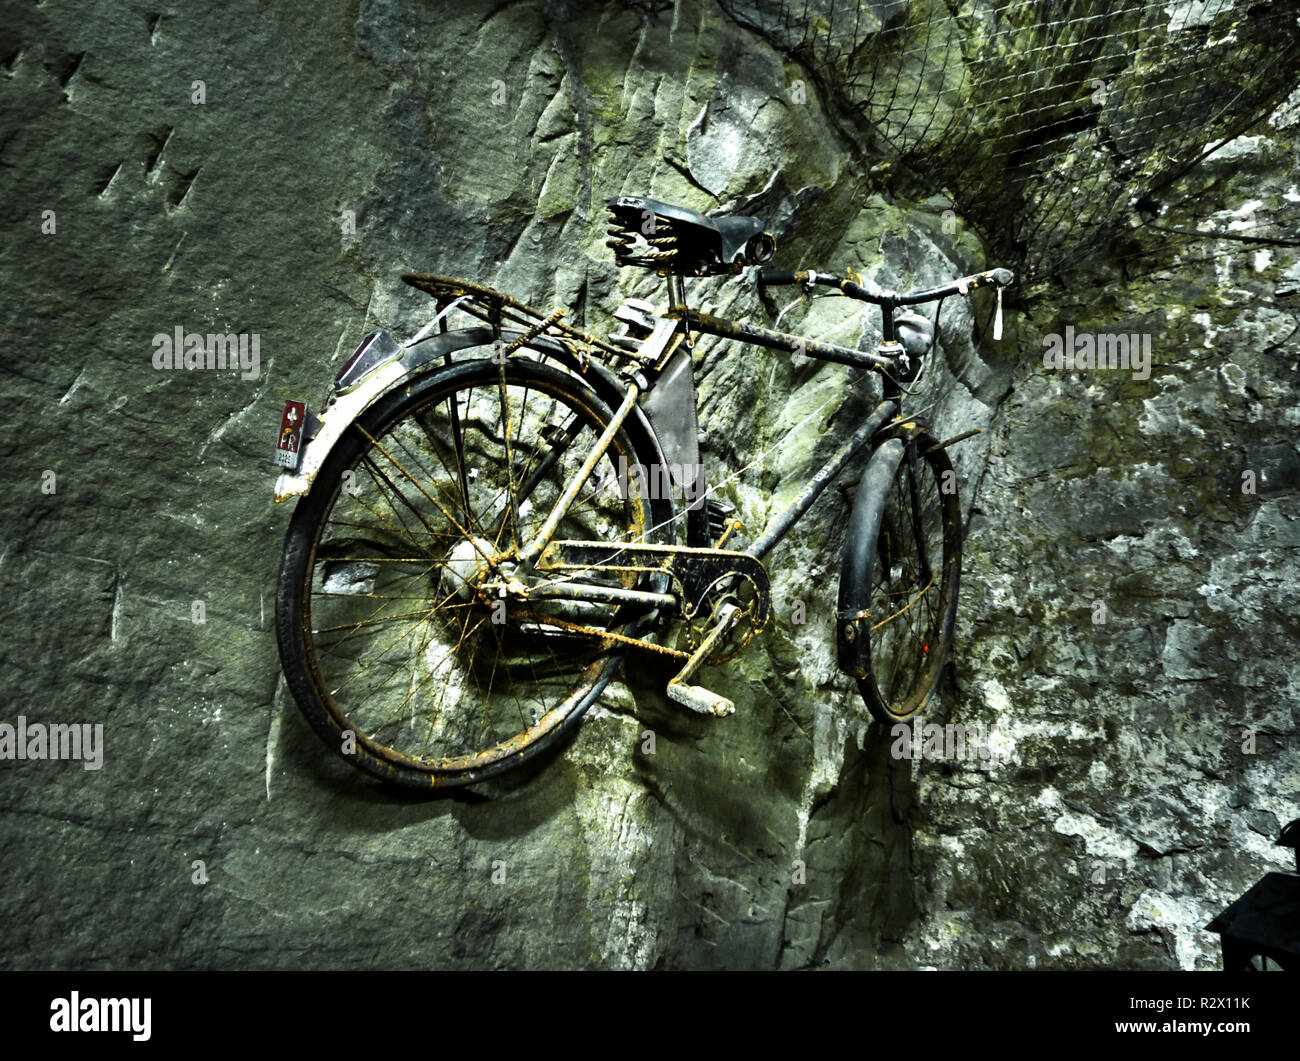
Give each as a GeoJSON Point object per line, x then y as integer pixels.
{"type": "Point", "coordinates": [914, 494]}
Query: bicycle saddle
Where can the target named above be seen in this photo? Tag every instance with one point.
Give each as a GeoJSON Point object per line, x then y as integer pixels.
{"type": "Point", "coordinates": [659, 235]}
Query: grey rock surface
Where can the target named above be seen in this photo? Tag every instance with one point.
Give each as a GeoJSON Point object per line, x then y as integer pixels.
{"type": "Point", "coordinates": [339, 146]}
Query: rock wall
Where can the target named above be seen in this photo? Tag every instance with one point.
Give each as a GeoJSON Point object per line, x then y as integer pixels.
{"type": "Point", "coordinates": [334, 149]}
{"type": "Point", "coordinates": [1129, 620]}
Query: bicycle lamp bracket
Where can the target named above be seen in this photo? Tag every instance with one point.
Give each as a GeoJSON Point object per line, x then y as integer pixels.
{"type": "Point", "coordinates": [374, 350]}
{"type": "Point", "coordinates": [852, 644]}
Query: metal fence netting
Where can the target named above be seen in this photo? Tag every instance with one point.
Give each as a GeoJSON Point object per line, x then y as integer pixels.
{"type": "Point", "coordinates": [1052, 125]}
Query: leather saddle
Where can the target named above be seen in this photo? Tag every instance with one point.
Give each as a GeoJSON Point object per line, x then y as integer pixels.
{"type": "Point", "coordinates": [673, 239]}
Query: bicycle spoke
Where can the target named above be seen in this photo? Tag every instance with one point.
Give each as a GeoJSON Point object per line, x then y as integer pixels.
{"type": "Point", "coordinates": [414, 458]}
{"type": "Point", "coordinates": [458, 441]}
{"type": "Point", "coordinates": [911, 589]}
{"type": "Point", "coordinates": [512, 511]}
{"type": "Point", "coordinates": [450, 518]}
{"type": "Point", "coordinates": [409, 646]}
{"type": "Point", "coordinates": [375, 471]}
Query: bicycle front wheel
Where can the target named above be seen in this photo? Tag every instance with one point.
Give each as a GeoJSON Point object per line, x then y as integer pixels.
{"type": "Point", "coordinates": [907, 574]}
{"type": "Point", "coordinates": [397, 642]}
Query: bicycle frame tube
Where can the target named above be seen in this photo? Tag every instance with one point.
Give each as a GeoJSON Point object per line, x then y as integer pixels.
{"type": "Point", "coordinates": [728, 329]}
{"type": "Point", "coordinates": [814, 487]}
{"type": "Point", "coordinates": [748, 333]}
{"type": "Point", "coordinates": [528, 557]}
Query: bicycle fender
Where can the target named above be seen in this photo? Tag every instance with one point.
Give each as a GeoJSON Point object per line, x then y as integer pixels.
{"type": "Point", "coordinates": [333, 422]}
{"type": "Point", "coordinates": [347, 407]}
{"type": "Point", "coordinates": [600, 379]}
{"type": "Point", "coordinates": [852, 617]}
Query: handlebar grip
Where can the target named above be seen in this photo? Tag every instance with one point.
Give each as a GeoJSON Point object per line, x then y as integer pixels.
{"type": "Point", "coordinates": [777, 277]}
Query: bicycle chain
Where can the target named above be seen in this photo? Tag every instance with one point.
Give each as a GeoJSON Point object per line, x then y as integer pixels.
{"type": "Point", "coordinates": [605, 635]}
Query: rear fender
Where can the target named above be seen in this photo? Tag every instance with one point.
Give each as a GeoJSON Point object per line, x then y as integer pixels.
{"type": "Point", "coordinates": [418, 361]}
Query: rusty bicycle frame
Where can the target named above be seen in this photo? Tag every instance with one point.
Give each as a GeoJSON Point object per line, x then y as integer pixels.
{"type": "Point", "coordinates": [573, 607]}
{"type": "Point", "coordinates": [701, 573]}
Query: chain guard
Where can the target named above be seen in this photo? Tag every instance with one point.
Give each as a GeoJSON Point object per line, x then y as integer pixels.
{"type": "Point", "coordinates": [697, 575]}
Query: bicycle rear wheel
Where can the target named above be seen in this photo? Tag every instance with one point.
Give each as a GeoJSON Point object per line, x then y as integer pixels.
{"type": "Point", "coordinates": [905, 574]}
{"type": "Point", "coordinates": [395, 647]}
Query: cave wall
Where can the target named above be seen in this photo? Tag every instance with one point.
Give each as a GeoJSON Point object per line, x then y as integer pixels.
{"type": "Point", "coordinates": [1130, 605]}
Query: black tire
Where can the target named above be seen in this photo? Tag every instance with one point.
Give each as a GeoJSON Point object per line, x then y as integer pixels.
{"type": "Point", "coordinates": [913, 611]}
{"type": "Point", "coordinates": [432, 538]}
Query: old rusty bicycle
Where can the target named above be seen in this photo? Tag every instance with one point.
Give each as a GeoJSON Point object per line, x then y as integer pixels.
{"type": "Point", "coordinates": [491, 517]}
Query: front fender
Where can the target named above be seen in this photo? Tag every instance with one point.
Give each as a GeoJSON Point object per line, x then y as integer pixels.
{"type": "Point", "coordinates": [853, 620]}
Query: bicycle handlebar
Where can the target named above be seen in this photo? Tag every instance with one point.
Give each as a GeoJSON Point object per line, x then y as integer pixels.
{"type": "Point", "coordinates": [779, 277]}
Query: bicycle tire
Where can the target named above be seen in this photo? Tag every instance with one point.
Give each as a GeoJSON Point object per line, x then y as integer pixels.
{"type": "Point", "coordinates": [315, 541]}
{"type": "Point", "coordinates": [885, 574]}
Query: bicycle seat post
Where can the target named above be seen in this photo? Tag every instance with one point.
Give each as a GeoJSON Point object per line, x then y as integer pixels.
{"type": "Point", "coordinates": [676, 291]}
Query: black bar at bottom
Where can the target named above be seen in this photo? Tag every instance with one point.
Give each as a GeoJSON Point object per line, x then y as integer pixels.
{"type": "Point", "coordinates": [1158, 1011]}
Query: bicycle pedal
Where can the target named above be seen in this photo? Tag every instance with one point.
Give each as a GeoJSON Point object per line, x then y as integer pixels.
{"type": "Point", "coordinates": [696, 697]}
{"type": "Point", "coordinates": [700, 700]}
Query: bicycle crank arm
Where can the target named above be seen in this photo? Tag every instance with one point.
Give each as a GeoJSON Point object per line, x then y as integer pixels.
{"type": "Point", "coordinates": [696, 697]}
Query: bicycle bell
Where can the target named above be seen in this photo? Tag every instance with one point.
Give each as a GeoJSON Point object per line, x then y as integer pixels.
{"type": "Point", "coordinates": [915, 332]}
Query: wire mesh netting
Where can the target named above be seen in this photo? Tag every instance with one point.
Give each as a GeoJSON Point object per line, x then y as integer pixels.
{"type": "Point", "coordinates": [1051, 124]}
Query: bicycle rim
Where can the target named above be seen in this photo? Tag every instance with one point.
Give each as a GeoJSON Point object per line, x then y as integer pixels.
{"type": "Point", "coordinates": [391, 636]}
{"type": "Point", "coordinates": [914, 579]}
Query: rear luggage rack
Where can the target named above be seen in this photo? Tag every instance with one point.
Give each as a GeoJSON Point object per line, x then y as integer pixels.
{"type": "Point", "coordinates": [500, 311]}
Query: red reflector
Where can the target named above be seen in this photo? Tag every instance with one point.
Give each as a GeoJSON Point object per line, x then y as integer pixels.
{"type": "Point", "coordinates": [288, 446]}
